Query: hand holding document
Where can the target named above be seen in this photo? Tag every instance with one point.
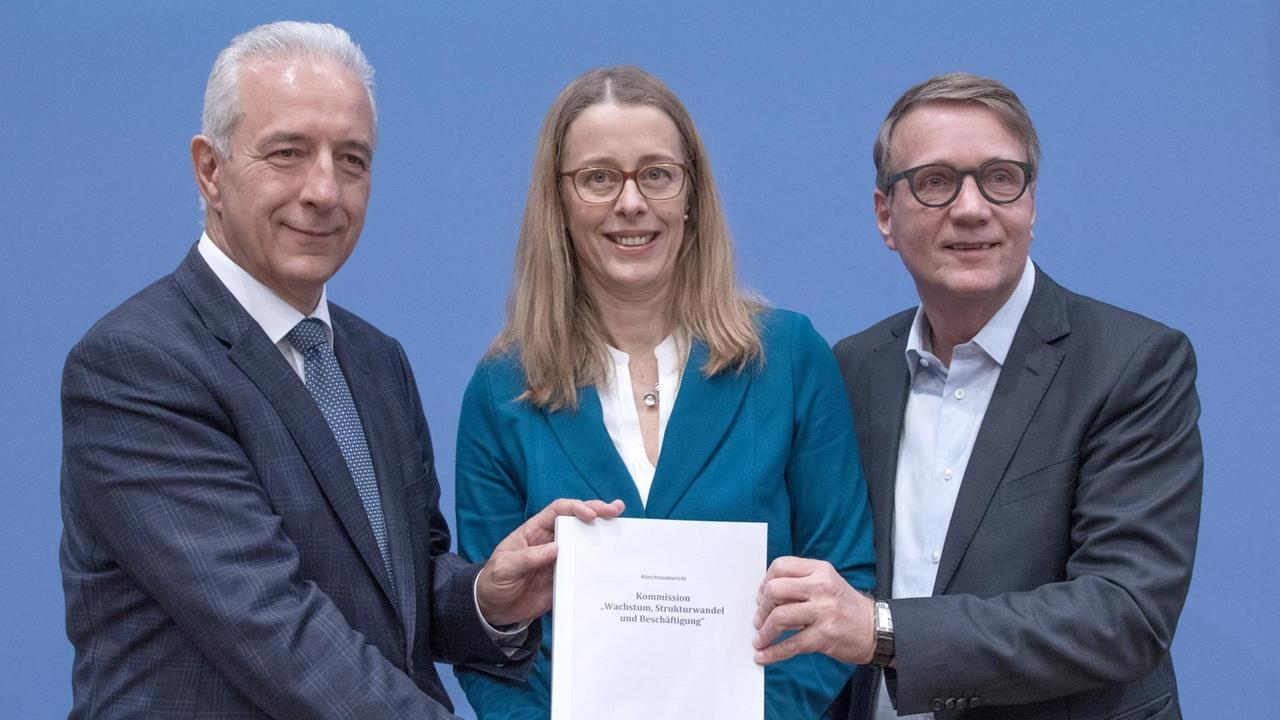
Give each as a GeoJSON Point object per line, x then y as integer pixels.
{"type": "Point", "coordinates": [653, 619]}
{"type": "Point", "coordinates": [515, 584]}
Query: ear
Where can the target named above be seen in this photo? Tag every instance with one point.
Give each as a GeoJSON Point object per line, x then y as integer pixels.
{"type": "Point", "coordinates": [207, 167]}
{"type": "Point", "coordinates": [883, 221]}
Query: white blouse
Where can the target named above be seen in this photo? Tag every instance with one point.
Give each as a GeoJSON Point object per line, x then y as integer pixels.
{"type": "Point", "coordinates": [617, 401]}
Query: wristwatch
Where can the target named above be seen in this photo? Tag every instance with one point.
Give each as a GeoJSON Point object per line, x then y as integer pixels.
{"type": "Point", "coordinates": [884, 636]}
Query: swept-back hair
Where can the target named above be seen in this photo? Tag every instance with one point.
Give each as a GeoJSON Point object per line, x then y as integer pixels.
{"type": "Point", "coordinates": [223, 105]}
{"type": "Point", "coordinates": [957, 87]}
{"type": "Point", "coordinates": [551, 323]}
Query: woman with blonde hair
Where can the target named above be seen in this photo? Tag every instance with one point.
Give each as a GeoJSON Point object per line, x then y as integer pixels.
{"type": "Point", "coordinates": [632, 366]}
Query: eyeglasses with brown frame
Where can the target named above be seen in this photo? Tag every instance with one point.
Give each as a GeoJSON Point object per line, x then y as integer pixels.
{"type": "Point", "coordinates": [658, 181]}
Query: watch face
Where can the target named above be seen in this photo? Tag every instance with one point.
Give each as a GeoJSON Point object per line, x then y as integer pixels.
{"type": "Point", "coordinates": [884, 619]}
{"type": "Point", "coordinates": [884, 650]}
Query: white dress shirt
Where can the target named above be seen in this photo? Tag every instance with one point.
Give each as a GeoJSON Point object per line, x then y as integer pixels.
{"type": "Point", "coordinates": [621, 419]}
{"type": "Point", "coordinates": [276, 318]}
{"type": "Point", "coordinates": [944, 411]}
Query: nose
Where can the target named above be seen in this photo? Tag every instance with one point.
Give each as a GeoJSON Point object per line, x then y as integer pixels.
{"type": "Point", "coordinates": [320, 184]}
{"type": "Point", "coordinates": [970, 205]}
{"type": "Point", "coordinates": [630, 202]}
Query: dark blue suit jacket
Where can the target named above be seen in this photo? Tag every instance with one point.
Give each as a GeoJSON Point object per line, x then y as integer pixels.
{"type": "Point", "coordinates": [1069, 551]}
{"type": "Point", "coordinates": [216, 557]}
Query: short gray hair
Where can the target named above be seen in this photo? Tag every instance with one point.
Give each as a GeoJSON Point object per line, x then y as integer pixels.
{"type": "Point", "coordinates": [223, 106]}
{"type": "Point", "coordinates": [957, 87]}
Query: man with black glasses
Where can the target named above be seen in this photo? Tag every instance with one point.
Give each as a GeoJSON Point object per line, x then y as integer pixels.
{"type": "Point", "coordinates": [1032, 455]}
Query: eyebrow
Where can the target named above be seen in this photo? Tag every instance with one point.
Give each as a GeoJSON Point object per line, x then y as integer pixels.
{"type": "Point", "coordinates": [288, 137]}
{"type": "Point", "coordinates": [646, 159]}
{"type": "Point", "coordinates": [283, 137]}
{"type": "Point", "coordinates": [358, 145]}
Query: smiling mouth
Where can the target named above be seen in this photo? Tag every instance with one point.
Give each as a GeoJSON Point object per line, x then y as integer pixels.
{"type": "Point", "coordinates": [312, 233]}
{"type": "Point", "coordinates": [632, 240]}
{"type": "Point", "coordinates": [967, 247]}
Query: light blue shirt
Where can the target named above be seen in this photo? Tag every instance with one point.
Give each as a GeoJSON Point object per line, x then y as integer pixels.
{"type": "Point", "coordinates": [944, 411]}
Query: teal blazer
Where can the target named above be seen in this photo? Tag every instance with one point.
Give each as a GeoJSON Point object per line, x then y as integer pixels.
{"type": "Point", "coordinates": [774, 443]}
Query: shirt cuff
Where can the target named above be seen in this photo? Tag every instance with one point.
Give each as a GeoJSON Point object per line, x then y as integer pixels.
{"type": "Point", "coordinates": [510, 637]}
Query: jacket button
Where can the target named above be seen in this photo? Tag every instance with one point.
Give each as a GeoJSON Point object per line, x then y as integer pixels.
{"type": "Point", "coordinates": [935, 704]}
{"type": "Point", "coordinates": [975, 701]}
{"type": "Point", "coordinates": [950, 704]}
{"type": "Point", "coordinates": [962, 703]}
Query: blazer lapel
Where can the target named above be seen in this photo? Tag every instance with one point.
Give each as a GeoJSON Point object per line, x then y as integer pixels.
{"type": "Point", "coordinates": [1028, 371]}
{"type": "Point", "coordinates": [260, 360]}
{"type": "Point", "coordinates": [693, 435]}
{"type": "Point", "coordinates": [882, 418]}
{"type": "Point", "coordinates": [586, 442]}
{"type": "Point", "coordinates": [377, 410]}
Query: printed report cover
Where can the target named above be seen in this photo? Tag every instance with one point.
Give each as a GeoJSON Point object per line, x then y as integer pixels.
{"type": "Point", "coordinates": [652, 619]}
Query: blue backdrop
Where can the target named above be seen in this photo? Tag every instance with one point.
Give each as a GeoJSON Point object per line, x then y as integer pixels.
{"type": "Point", "coordinates": [1161, 131]}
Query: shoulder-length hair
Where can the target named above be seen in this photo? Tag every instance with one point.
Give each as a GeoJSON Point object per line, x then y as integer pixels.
{"type": "Point", "coordinates": [551, 324]}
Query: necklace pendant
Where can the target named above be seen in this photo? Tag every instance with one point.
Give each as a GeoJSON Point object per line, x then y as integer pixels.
{"type": "Point", "coordinates": [650, 399]}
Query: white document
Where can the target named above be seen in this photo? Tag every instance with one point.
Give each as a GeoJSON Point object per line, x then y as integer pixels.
{"type": "Point", "coordinates": [652, 620]}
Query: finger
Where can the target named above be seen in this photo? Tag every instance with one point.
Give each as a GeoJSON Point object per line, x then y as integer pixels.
{"type": "Point", "coordinates": [783, 619]}
{"type": "Point", "coordinates": [607, 509]}
{"type": "Point", "coordinates": [513, 565]}
{"type": "Point", "coordinates": [797, 644]}
{"type": "Point", "coordinates": [783, 590]}
{"type": "Point", "coordinates": [536, 557]}
{"type": "Point", "coordinates": [589, 510]}
{"type": "Point", "coordinates": [541, 527]}
{"type": "Point", "coordinates": [791, 566]}
{"type": "Point", "coordinates": [583, 511]}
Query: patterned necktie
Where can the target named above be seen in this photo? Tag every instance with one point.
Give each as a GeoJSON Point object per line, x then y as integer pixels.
{"type": "Point", "coordinates": [328, 386]}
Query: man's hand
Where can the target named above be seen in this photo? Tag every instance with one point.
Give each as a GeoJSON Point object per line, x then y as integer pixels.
{"type": "Point", "coordinates": [828, 615]}
{"type": "Point", "coordinates": [514, 586]}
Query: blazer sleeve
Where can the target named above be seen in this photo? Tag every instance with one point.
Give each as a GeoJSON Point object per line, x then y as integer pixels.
{"type": "Point", "coordinates": [456, 633]}
{"type": "Point", "coordinates": [831, 517]}
{"type": "Point", "coordinates": [152, 464]}
{"type": "Point", "coordinates": [830, 514]}
{"type": "Point", "coordinates": [1133, 533]}
{"type": "Point", "coordinates": [491, 501]}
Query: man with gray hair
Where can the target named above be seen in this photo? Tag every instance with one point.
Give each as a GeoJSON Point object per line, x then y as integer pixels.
{"type": "Point", "coordinates": [250, 507]}
{"type": "Point", "coordinates": [1032, 456]}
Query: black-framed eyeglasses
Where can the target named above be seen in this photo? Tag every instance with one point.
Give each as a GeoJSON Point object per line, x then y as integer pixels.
{"type": "Point", "coordinates": [938, 184]}
{"type": "Point", "coordinates": [659, 181]}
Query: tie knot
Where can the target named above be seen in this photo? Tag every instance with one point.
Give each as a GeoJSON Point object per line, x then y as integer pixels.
{"type": "Point", "coordinates": [307, 335]}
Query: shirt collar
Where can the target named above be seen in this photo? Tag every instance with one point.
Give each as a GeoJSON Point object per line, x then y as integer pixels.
{"type": "Point", "coordinates": [269, 310]}
{"type": "Point", "coordinates": [995, 338]}
{"type": "Point", "coordinates": [667, 353]}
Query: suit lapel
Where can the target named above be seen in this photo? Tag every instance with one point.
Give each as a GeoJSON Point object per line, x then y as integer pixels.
{"type": "Point", "coordinates": [704, 412]}
{"type": "Point", "coordinates": [1028, 371]}
{"type": "Point", "coordinates": [260, 360]}
{"type": "Point", "coordinates": [377, 410]}
{"type": "Point", "coordinates": [586, 442]}
{"type": "Point", "coordinates": [890, 384]}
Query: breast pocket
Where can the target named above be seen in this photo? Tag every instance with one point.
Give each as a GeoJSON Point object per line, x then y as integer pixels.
{"type": "Point", "coordinates": [1160, 708]}
{"type": "Point", "coordinates": [1057, 474]}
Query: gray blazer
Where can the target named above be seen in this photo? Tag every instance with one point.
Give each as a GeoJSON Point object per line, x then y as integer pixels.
{"type": "Point", "coordinates": [1069, 551]}
{"type": "Point", "coordinates": [216, 558]}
